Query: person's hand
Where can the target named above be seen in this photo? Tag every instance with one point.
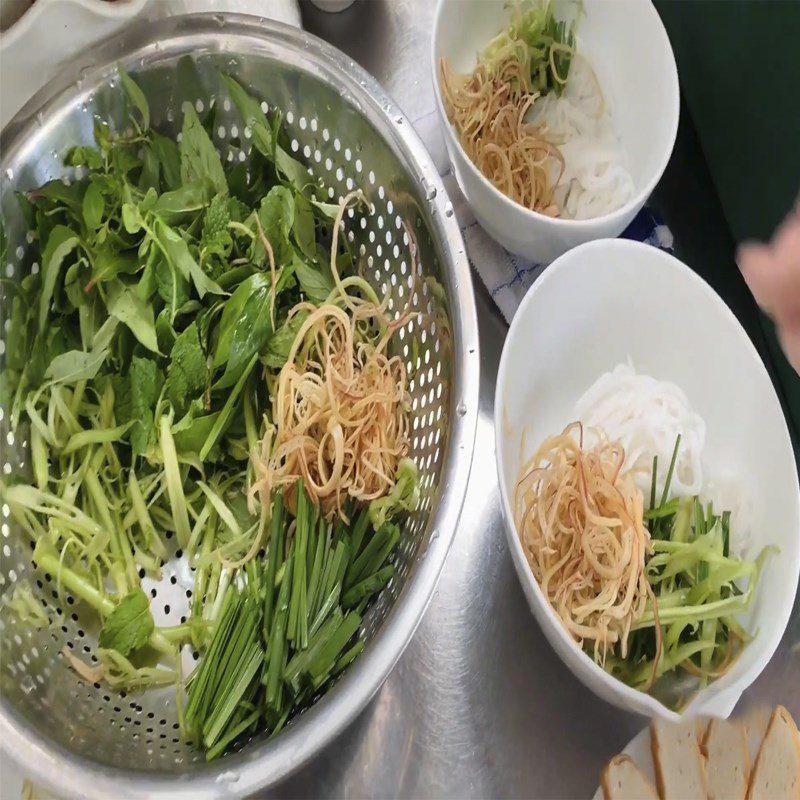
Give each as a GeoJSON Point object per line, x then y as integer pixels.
{"type": "Point", "coordinates": [772, 272]}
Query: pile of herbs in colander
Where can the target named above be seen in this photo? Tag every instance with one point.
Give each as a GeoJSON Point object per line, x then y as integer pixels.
{"type": "Point", "coordinates": [144, 356]}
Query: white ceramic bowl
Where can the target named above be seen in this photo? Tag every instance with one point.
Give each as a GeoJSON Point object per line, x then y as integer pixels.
{"type": "Point", "coordinates": [628, 47]}
{"type": "Point", "coordinates": [597, 306]}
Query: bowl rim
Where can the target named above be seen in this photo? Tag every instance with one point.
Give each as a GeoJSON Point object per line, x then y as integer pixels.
{"type": "Point", "coordinates": [713, 700]}
{"type": "Point", "coordinates": [629, 209]}
{"type": "Point", "coordinates": [266, 763]}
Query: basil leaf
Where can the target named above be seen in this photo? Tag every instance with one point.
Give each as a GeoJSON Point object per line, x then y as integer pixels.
{"type": "Point", "coordinates": [250, 334]}
{"type": "Point", "coordinates": [248, 106]}
{"type": "Point", "coordinates": [151, 168]}
{"type": "Point", "coordinates": [131, 218]}
{"type": "Point", "coordinates": [169, 157]}
{"type": "Point", "coordinates": [75, 285]}
{"type": "Point", "coordinates": [93, 207]}
{"type": "Point", "coordinates": [253, 117]}
{"type": "Point", "coordinates": [136, 96]}
{"type": "Point", "coordinates": [177, 252]}
{"type": "Point", "coordinates": [75, 365]}
{"type": "Point", "coordinates": [60, 244]}
{"type": "Point", "coordinates": [315, 284]}
{"type": "Point", "coordinates": [281, 342]}
{"type": "Point", "coordinates": [191, 432]}
{"type": "Point", "coordinates": [164, 330]}
{"type": "Point", "coordinates": [107, 263]}
{"type": "Point", "coordinates": [85, 156]}
{"type": "Point", "coordinates": [129, 625]}
{"type": "Point", "coordinates": [124, 160]}
{"type": "Point", "coordinates": [199, 157]}
{"type": "Point", "coordinates": [232, 313]}
{"type": "Point", "coordinates": [148, 201]}
{"type": "Point", "coordinates": [329, 210]}
{"type": "Point", "coordinates": [303, 226]}
{"type": "Point", "coordinates": [59, 192]}
{"type": "Point", "coordinates": [126, 305]}
{"type": "Point", "coordinates": [263, 137]}
{"type": "Point", "coordinates": [276, 215]}
{"type": "Point", "coordinates": [179, 204]}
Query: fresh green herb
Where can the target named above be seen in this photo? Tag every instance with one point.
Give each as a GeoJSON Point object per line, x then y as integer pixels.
{"type": "Point", "coordinates": [187, 373]}
{"type": "Point", "coordinates": [699, 591]}
{"type": "Point", "coordinates": [129, 625]}
{"type": "Point", "coordinates": [550, 43]}
{"type": "Point", "coordinates": [403, 497]}
{"type": "Point", "coordinates": [141, 358]}
{"type": "Point", "coordinates": [263, 655]}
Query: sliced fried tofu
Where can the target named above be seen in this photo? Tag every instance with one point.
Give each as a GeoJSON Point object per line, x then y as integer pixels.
{"type": "Point", "coordinates": [623, 780]}
{"type": "Point", "coordinates": [678, 762]}
{"type": "Point", "coordinates": [776, 772]}
{"type": "Point", "coordinates": [727, 760]}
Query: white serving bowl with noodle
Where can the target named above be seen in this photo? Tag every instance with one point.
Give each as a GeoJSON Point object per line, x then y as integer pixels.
{"type": "Point", "coordinates": [626, 46]}
{"type": "Point", "coordinates": [605, 303]}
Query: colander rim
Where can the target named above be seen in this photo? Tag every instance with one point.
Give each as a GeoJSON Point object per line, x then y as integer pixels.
{"type": "Point", "coordinates": [266, 763]}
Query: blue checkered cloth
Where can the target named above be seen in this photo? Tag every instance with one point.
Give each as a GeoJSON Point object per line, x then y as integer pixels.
{"type": "Point", "coordinates": [507, 276]}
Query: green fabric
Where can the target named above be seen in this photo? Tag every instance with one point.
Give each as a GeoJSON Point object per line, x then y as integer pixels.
{"type": "Point", "coordinates": [739, 67]}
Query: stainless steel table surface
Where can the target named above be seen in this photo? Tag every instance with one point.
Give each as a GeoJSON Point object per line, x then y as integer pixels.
{"type": "Point", "coordinates": [479, 704]}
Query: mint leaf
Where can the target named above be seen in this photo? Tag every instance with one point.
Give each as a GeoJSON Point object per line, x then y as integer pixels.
{"type": "Point", "coordinates": [187, 373]}
{"type": "Point", "coordinates": [138, 400]}
{"type": "Point", "coordinates": [171, 286]}
{"type": "Point", "coordinates": [129, 625]}
{"type": "Point", "coordinates": [216, 241]}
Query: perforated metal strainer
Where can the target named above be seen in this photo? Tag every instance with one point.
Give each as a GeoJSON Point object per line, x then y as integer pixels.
{"type": "Point", "coordinates": [89, 741]}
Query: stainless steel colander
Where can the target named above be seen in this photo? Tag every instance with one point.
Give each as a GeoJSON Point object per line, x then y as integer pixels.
{"type": "Point", "coordinates": [89, 741]}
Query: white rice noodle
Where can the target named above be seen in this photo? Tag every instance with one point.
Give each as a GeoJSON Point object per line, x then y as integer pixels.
{"type": "Point", "coordinates": [646, 415]}
{"type": "Point", "coordinates": [595, 180]}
